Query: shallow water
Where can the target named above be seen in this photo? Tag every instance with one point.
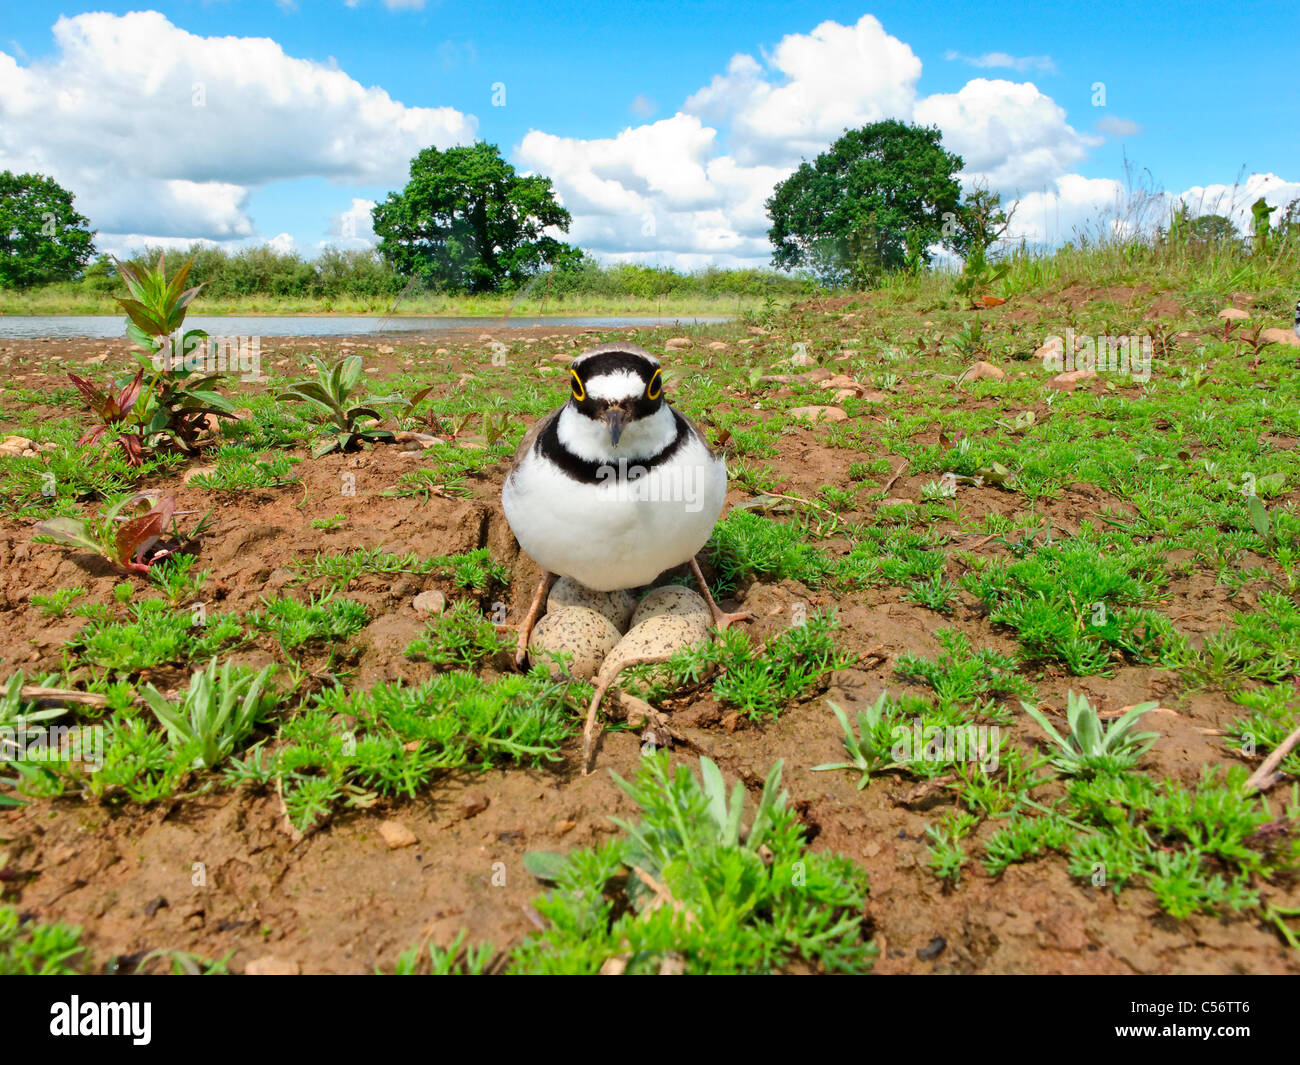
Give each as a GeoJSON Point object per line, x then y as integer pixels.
{"type": "Point", "coordinates": [31, 327]}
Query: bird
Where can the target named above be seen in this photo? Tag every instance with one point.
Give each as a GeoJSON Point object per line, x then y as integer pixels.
{"type": "Point", "coordinates": [615, 487]}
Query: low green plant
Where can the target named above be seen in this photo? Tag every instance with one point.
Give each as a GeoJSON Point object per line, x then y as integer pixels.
{"type": "Point", "coordinates": [330, 394]}
{"type": "Point", "coordinates": [220, 709]}
{"type": "Point", "coordinates": [322, 618]}
{"type": "Point", "coordinates": [870, 747]}
{"type": "Point", "coordinates": [393, 739]}
{"type": "Point", "coordinates": [152, 633]}
{"type": "Point", "coordinates": [962, 676]}
{"type": "Point", "coordinates": [458, 958]}
{"type": "Point", "coordinates": [177, 579]}
{"type": "Point", "coordinates": [55, 605]}
{"type": "Point", "coordinates": [31, 948]}
{"type": "Point", "coordinates": [474, 570]}
{"type": "Point", "coordinates": [1089, 747]}
{"type": "Point", "coordinates": [689, 889]}
{"type": "Point", "coordinates": [237, 468]}
{"type": "Point", "coordinates": [462, 638]}
{"type": "Point", "coordinates": [947, 855]}
{"type": "Point", "coordinates": [759, 681]}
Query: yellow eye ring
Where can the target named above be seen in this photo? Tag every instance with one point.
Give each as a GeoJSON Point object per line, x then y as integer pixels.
{"type": "Point", "coordinates": [655, 388]}
{"type": "Point", "coordinates": [579, 393]}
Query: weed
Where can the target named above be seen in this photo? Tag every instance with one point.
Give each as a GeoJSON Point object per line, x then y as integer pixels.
{"type": "Point", "coordinates": [1089, 747]}
{"type": "Point", "coordinates": [689, 890]}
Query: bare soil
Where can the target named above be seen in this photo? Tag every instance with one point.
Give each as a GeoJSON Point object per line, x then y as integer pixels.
{"type": "Point", "coordinates": [220, 871]}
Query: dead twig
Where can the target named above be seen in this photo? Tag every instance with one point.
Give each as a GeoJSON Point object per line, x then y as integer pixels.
{"type": "Point", "coordinates": [894, 480]}
{"type": "Point", "coordinates": [1264, 777]}
{"type": "Point", "coordinates": [63, 695]}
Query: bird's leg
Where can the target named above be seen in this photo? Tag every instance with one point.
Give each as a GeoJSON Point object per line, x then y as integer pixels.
{"type": "Point", "coordinates": [721, 619]}
{"type": "Point", "coordinates": [530, 619]}
{"type": "Point", "coordinates": [604, 679]}
{"type": "Point", "coordinates": [589, 732]}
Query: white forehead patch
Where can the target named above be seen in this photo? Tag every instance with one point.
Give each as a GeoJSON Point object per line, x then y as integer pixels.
{"type": "Point", "coordinates": [622, 384]}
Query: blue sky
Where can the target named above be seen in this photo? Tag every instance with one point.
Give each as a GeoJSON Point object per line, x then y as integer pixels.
{"type": "Point", "coordinates": [1197, 95]}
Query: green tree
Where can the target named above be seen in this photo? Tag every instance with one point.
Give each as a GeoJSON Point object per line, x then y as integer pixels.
{"type": "Point", "coordinates": [980, 223]}
{"type": "Point", "coordinates": [1202, 232]}
{"type": "Point", "coordinates": [875, 200]}
{"type": "Point", "coordinates": [466, 221]}
{"type": "Point", "coordinates": [42, 237]}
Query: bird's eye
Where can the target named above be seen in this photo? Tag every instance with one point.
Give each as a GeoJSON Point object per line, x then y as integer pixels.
{"type": "Point", "coordinates": [579, 393]}
{"type": "Point", "coordinates": [655, 388]}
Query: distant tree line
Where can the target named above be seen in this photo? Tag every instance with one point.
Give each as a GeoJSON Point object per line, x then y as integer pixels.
{"type": "Point", "coordinates": [365, 274]}
{"type": "Point", "coordinates": [878, 201]}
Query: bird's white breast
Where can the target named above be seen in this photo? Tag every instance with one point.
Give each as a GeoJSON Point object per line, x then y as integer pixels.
{"type": "Point", "coordinates": [625, 530]}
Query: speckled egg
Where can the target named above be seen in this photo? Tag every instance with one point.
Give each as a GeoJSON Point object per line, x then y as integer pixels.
{"type": "Point", "coordinates": [655, 639]}
{"type": "Point", "coordinates": [617, 606]}
{"type": "Point", "coordinates": [578, 631]}
{"type": "Point", "coordinates": [670, 600]}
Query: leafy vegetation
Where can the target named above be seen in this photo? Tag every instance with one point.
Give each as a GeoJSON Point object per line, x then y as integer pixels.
{"type": "Point", "coordinates": [691, 889]}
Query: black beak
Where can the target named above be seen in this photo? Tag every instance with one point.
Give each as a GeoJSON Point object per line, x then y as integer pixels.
{"type": "Point", "coordinates": [616, 418]}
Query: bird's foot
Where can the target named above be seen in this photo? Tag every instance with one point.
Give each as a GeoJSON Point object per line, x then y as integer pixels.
{"type": "Point", "coordinates": [722, 619]}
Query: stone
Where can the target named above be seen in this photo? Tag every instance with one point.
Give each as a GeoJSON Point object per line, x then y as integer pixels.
{"type": "Point", "coordinates": [819, 414]}
{"type": "Point", "coordinates": [1281, 336]}
{"type": "Point", "coordinates": [1234, 314]}
{"type": "Point", "coordinates": [16, 445]}
{"type": "Point", "coordinates": [841, 381]}
{"type": "Point", "coordinates": [396, 834]}
{"type": "Point", "coordinates": [473, 804]}
{"type": "Point", "coordinates": [1067, 382]}
{"type": "Point", "coordinates": [430, 602]}
{"type": "Point", "coordinates": [985, 371]}
{"type": "Point", "coordinates": [197, 471]}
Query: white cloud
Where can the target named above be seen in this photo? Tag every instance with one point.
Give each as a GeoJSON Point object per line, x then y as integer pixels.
{"type": "Point", "coordinates": [679, 189]}
{"type": "Point", "coordinates": [163, 132]}
{"type": "Point", "coordinates": [656, 192]}
{"type": "Point", "coordinates": [282, 244]}
{"type": "Point", "coordinates": [1114, 126]}
{"type": "Point", "coordinates": [1235, 200]}
{"type": "Point", "coordinates": [1008, 134]}
{"type": "Point", "coordinates": [1042, 63]}
{"type": "Point", "coordinates": [835, 78]}
{"type": "Point", "coordinates": [1072, 204]}
{"type": "Point", "coordinates": [111, 115]}
{"type": "Point", "coordinates": [1104, 206]}
{"type": "Point", "coordinates": [354, 227]}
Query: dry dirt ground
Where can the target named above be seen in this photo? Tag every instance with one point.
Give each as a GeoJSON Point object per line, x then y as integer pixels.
{"type": "Point", "coordinates": [219, 872]}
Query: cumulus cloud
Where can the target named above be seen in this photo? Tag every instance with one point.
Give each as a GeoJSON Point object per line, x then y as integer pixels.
{"type": "Point", "coordinates": [1072, 204]}
{"type": "Point", "coordinates": [657, 192]}
{"type": "Point", "coordinates": [353, 228]}
{"type": "Point", "coordinates": [1042, 63]}
{"type": "Point", "coordinates": [820, 83]}
{"type": "Point", "coordinates": [1009, 134]}
{"type": "Point", "coordinates": [695, 184]}
{"type": "Point", "coordinates": [1234, 201]}
{"type": "Point", "coordinates": [164, 132]}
